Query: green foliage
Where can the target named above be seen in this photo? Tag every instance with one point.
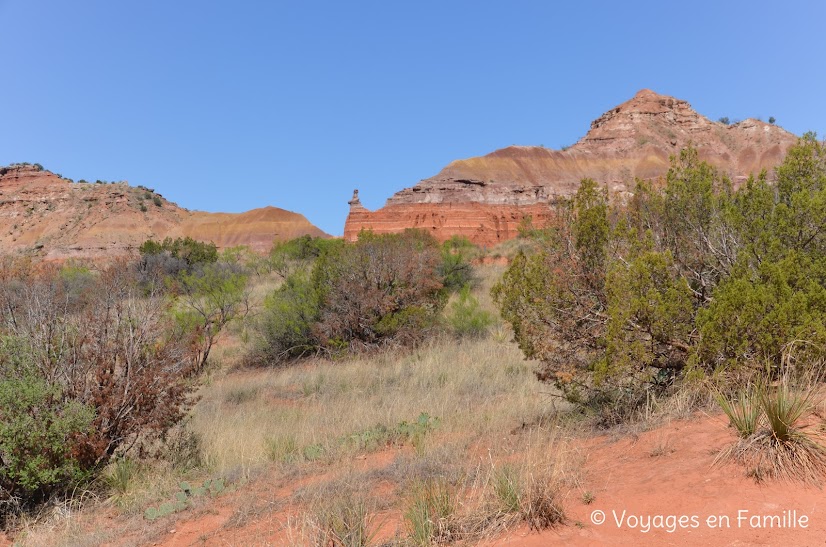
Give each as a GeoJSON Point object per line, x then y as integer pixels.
{"type": "Point", "coordinates": [77, 282]}
{"type": "Point", "coordinates": [776, 292]}
{"type": "Point", "coordinates": [466, 318]}
{"type": "Point", "coordinates": [304, 247]}
{"type": "Point", "coordinates": [157, 201]}
{"type": "Point", "coordinates": [186, 248]}
{"type": "Point", "coordinates": [282, 449]}
{"type": "Point", "coordinates": [619, 300]}
{"type": "Point", "coordinates": [380, 435]}
{"type": "Point", "coordinates": [121, 474]}
{"type": "Point", "coordinates": [770, 421]}
{"type": "Point", "coordinates": [380, 290]}
{"type": "Point", "coordinates": [772, 120]}
{"type": "Point", "coordinates": [642, 291]}
{"type": "Point", "coordinates": [755, 314]}
{"type": "Point", "coordinates": [38, 433]}
{"type": "Point", "coordinates": [286, 257]}
{"type": "Point", "coordinates": [209, 299]}
{"type": "Point", "coordinates": [383, 289]}
{"type": "Point", "coordinates": [783, 407]}
{"type": "Point", "coordinates": [90, 367]}
{"type": "Point", "coordinates": [455, 269]}
{"type": "Point", "coordinates": [508, 488]}
{"type": "Point", "coordinates": [743, 410]}
{"type": "Point", "coordinates": [285, 327]}
{"type": "Point", "coordinates": [724, 120]}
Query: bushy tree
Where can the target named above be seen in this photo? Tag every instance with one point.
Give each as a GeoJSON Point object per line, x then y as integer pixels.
{"type": "Point", "coordinates": [776, 293]}
{"type": "Point", "coordinates": [288, 256]}
{"type": "Point", "coordinates": [381, 290]}
{"type": "Point", "coordinates": [621, 299]}
{"type": "Point", "coordinates": [172, 256]}
{"type": "Point", "coordinates": [208, 300]}
{"type": "Point", "coordinates": [286, 327]}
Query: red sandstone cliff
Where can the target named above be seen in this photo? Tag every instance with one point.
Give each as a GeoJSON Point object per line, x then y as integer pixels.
{"type": "Point", "coordinates": [50, 217]}
{"type": "Point", "coordinates": [485, 198]}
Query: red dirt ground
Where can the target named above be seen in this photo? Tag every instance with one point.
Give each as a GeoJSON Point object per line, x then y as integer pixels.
{"type": "Point", "coordinates": [664, 472]}
{"type": "Point", "coordinates": [668, 471]}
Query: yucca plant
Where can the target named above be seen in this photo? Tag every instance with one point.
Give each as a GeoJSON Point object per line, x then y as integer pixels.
{"type": "Point", "coordinates": [743, 411]}
{"type": "Point", "coordinates": [783, 407]}
{"type": "Point", "coordinates": [770, 420]}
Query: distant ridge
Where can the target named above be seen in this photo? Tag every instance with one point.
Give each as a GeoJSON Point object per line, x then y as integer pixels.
{"type": "Point", "coordinates": [485, 198]}
{"type": "Point", "coordinates": [46, 216]}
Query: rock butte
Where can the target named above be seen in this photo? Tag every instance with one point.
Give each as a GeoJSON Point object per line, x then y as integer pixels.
{"type": "Point", "coordinates": [45, 216]}
{"type": "Point", "coordinates": [486, 198]}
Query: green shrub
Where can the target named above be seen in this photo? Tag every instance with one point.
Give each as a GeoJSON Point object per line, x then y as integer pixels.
{"type": "Point", "coordinates": [743, 411]}
{"type": "Point", "coordinates": [287, 257]}
{"type": "Point", "coordinates": [285, 327]}
{"type": "Point", "coordinates": [455, 270]}
{"type": "Point", "coordinates": [466, 318]}
{"type": "Point", "coordinates": [189, 249]}
{"type": "Point", "coordinates": [381, 290]}
{"type": "Point", "coordinates": [620, 301]}
{"type": "Point", "coordinates": [208, 300]}
{"type": "Point", "coordinates": [90, 367]}
{"type": "Point", "coordinates": [39, 430]}
{"type": "Point", "coordinates": [773, 442]}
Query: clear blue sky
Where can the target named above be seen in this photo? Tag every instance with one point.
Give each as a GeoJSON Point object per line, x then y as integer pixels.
{"type": "Point", "coordinates": [229, 106]}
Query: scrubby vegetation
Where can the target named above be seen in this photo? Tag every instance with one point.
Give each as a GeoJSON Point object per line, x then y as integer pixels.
{"type": "Point", "coordinates": [98, 365]}
{"type": "Point", "coordinates": [383, 290]}
{"type": "Point", "coordinates": [90, 367]}
{"type": "Point", "coordinates": [691, 280]}
{"type": "Point", "coordinates": [384, 381]}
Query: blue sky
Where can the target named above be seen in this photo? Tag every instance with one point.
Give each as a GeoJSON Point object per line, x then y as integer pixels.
{"type": "Point", "coordinates": [229, 106]}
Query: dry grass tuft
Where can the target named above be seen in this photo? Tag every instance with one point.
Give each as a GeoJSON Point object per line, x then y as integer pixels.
{"type": "Point", "coordinates": [345, 523]}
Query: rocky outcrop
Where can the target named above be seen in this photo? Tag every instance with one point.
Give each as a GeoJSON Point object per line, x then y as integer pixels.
{"type": "Point", "coordinates": [46, 216]}
{"type": "Point", "coordinates": [484, 224]}
{"type": "Point", "coordinates": [633, 140]}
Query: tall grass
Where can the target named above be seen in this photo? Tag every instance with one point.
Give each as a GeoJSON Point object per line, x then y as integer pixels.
{"type": "Point", "coordinates": [475, 388]}
{"type": "Point", "coordinates": [431, 515]}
